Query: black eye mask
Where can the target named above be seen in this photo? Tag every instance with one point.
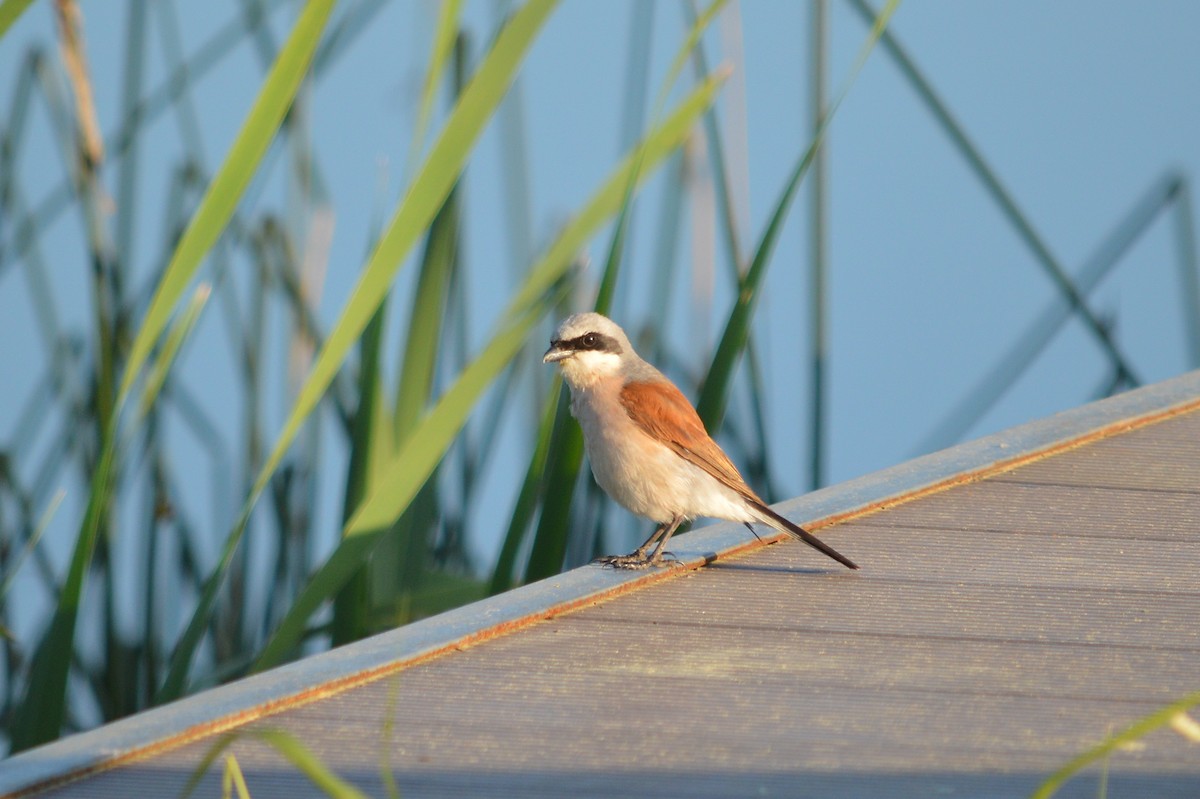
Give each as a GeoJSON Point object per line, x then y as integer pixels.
{"type": "Point", "coordinates": [595, 342]}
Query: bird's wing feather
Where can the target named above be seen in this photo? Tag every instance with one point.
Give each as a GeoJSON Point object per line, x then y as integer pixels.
{"type": "Point", "coordinates": [661, 410]}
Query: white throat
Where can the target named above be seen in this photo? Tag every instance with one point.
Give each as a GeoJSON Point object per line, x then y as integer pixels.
{"type": "Point", "coordinates": [584, 369]}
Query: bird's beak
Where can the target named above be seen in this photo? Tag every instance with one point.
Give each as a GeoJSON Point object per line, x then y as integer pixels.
{"type": "Point", "coordinates": [556, 353]}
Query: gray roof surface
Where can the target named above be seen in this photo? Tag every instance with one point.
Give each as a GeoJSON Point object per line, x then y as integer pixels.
{"type": "Point", "coordinates": [1021, 597]}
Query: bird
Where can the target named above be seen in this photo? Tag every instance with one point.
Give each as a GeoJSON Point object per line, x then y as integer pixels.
{"type": "Point", "coordinates": [647, 446]}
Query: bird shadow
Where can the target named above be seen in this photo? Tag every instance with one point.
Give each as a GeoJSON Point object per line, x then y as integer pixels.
{"type": "Point", "coordinates": [711, 561]}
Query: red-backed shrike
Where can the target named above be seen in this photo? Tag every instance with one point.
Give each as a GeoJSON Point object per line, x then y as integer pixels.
{"type": "Point", "coordinates": [647, 446]}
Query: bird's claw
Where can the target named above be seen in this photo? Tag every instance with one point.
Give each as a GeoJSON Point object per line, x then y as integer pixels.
{"type": "Point", "coordinates": [637, 560]}
{"type": "Point", "coordinates": [632, 561]}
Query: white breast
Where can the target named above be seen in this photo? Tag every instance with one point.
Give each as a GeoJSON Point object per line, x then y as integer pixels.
{"type": "Point", "coordinates": [641, 474]}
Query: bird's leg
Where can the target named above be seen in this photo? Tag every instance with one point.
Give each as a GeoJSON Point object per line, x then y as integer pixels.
{"type": "Point", "coordinates": [662, 544]}
{"type": "Point", "coordinates": [639, 558]}
{"type": "Point", "coordinates": [649, 542]}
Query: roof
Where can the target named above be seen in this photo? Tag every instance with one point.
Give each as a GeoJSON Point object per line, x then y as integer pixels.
{"type": "Point", "coordinates": [1021, 597]}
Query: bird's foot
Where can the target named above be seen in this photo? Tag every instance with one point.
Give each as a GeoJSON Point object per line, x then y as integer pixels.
{"type": "Point", "coordinates": [631, 561]}
{"type": "Point", "coordinates": [636, 560]}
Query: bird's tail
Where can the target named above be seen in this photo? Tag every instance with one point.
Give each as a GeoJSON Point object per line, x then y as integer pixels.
{"type": "Point", "coordinates": [775, 520]}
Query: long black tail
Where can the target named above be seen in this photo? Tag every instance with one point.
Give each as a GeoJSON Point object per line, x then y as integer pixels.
{"type": "Point", "coordinates": [803, 535]}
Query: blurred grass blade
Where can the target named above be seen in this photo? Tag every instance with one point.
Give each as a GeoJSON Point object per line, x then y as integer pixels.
{"type": "Point", "coordinates": [1160, 718]}
{"type": "Point", "coordinates": [527, 498]}
{"type": "Point", "coordinates": [234, 780]}
{"type": "Point", "coordinates": [608, 199]}
{"type": "Point", "coordinates": [292, 749]}
{"type": "Point", "coordinates": [166, 356]}
{"type": "Point", "coordinates": [31, 544]}
{"type": "Point", "coordinates": [1094, 321]}
{"type": "Point", "coordinates": [206, 762]}
{"type": "Point", "coordinates": [721, 173]}
{"type": "Point", "coordinates": [441, 591]}
{"type": "Point", "coordinates": [386, 740]}
{"type": "Point", "coordinates": [443, 42]}
{"type": "Point", "coordinates": [10, 10]}
{"type": "Point", "coordinates": [714, 393]}
{"type": "Point", "coordinates": [39, 716]}
{"type": "Point", "coordinates": [685, 51]}
{"type": "Point", "coordinates": [563, 464]}
{"type": "Point", "coordinates": [370, 445]}
{"type": "Point", "coordinates": [425, 196]}
{"type": "Point", "coordinates": [414, 385]}
{"type": "Point", "coordinates": [380, 430]}
{"type": "Point", "coordinates": [221, 199]}
{"type": "Point", "coordinates": [666, 230]}
{"type": "Point", "coordinates": [399, 567]}
{"type": "Point", "coordinates": [309, 764]}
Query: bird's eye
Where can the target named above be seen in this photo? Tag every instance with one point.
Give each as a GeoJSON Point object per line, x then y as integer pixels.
{"type": "Point", "coordinates": [590, 340]}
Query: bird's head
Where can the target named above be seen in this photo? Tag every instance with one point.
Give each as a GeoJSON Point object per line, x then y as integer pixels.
{"type": "Point", "coordinates": [588, 347]}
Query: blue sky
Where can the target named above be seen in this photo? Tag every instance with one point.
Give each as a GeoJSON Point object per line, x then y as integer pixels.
{"type": "Point", "coordinates": [1079, 107]}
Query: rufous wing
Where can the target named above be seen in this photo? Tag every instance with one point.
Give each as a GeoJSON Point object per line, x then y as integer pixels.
{"type": "Point", "coordinates": [660, 409]}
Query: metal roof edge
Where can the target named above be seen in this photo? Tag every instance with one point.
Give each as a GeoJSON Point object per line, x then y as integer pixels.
{"type": "Point", "coordinates": [330, 672]}
{"type": "Point", "coordinates": [998, 452]}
